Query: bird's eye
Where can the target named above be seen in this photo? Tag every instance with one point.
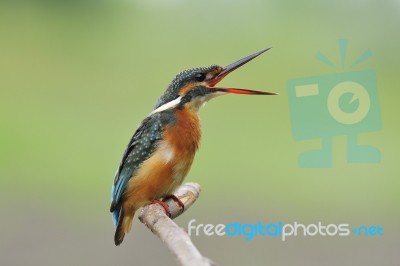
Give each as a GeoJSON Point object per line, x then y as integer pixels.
{"type": "Point", "coordinates": [200, 77]}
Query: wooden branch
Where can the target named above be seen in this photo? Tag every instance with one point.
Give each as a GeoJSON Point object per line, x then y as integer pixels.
{"type": "Point", "coordinates": [176, 239]}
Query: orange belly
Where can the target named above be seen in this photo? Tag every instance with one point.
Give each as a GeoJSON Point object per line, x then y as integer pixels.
{"type": "Point", "coordinates": [165, 170]}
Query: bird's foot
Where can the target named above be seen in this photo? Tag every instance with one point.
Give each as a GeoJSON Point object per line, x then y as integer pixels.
{"type": "Point", "coordinates": [176, 199]}
{"type": "Point", "coordinates": [164, 205]}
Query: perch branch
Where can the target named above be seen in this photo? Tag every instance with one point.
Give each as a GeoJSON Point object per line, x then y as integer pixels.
{"type": "Point", "coordinates": [176, 239]}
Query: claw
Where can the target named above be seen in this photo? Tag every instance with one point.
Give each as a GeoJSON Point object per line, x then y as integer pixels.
{"type": "Point", "coordinates": [164, 205]}
{"type": "Point", "coordinates": [177, 200]}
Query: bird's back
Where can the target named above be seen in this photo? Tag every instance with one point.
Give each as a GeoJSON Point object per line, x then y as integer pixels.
{"type": "Point", "coordinates": [154, 164]}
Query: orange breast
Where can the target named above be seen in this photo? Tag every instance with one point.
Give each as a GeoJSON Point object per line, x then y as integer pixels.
{"type": "Point", "coordinates": [184, 136]}
{"type": "Point", "coordinates": [184, 139]}
{"type": "Point", "coordinates": [161, 174]}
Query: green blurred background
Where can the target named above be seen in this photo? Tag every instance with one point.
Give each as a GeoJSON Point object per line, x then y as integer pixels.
{"type": "Point", "coordinates": [77, 77]}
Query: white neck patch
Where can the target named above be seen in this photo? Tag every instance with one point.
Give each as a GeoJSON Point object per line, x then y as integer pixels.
{"type": "Point", "coordinates": [197, 102]}
{"type": "Point", "coordinates": [168, 105]}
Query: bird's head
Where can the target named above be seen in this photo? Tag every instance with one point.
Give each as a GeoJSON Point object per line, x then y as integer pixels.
{"type": "Point", "coordinates": [194, 87]}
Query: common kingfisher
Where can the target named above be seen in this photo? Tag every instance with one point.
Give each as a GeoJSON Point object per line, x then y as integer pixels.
{"type": "Point", "coordinates": [161, 151]}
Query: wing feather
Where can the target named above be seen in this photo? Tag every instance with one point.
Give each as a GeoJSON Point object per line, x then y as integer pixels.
{"type": "Point", "coordinates": [141, 146]}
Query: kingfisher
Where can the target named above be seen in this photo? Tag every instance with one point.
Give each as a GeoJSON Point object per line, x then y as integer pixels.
{"type": "Point", "coordinates": [161, 151]}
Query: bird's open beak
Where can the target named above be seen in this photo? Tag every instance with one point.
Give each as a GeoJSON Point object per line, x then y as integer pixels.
{"type": "Point", "coordinates": [229, 68]}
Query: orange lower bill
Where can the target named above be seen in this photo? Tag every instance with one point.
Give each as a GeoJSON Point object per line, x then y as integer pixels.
{"type": "Point", "coordinates": [244, 91]}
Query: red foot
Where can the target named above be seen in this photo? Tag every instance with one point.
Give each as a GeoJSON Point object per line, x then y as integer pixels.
{"type": "Point", "coordinates": [164, 205]}
{"type": "Point", "coordinates": [177, 200]}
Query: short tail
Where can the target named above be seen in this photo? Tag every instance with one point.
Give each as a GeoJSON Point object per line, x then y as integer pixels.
{"type": "Point", "coordinates": [123, 226]}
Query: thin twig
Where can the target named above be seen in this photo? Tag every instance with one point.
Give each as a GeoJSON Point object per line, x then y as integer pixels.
{"type": "Point", "coordinates": [176, 239]}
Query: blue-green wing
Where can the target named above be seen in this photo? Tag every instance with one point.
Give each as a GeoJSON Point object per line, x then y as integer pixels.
{"type": "Point", "coordinates": [141, 146]}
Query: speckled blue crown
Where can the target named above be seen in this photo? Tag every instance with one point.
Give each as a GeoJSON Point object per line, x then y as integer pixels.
{"type": "Point", "coordinates": [179, 81]}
